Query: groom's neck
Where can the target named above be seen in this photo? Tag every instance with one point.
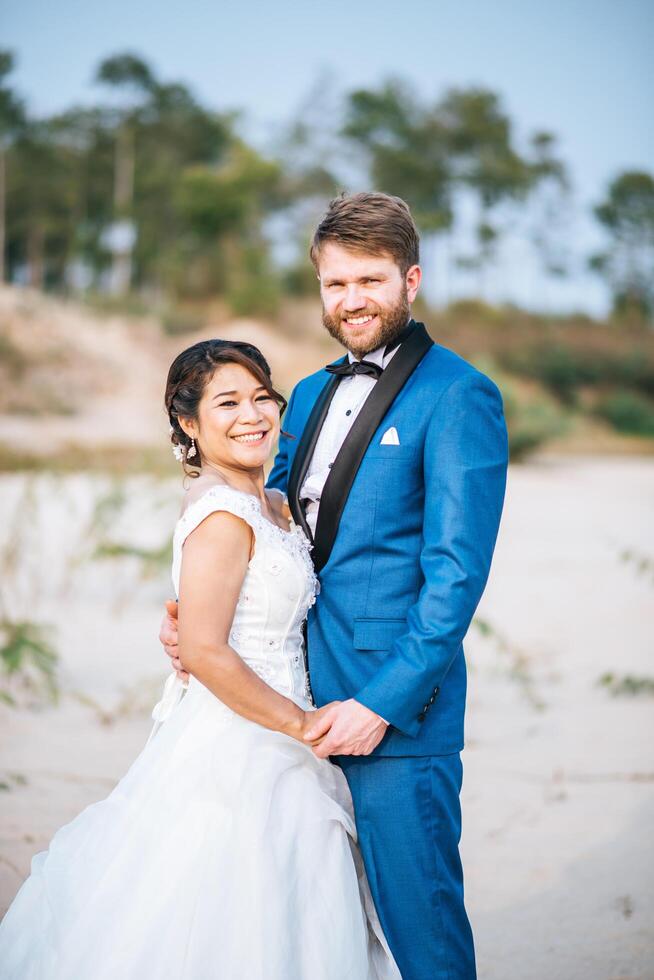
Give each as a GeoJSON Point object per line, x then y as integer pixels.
{"type": "Point", "coordinates": [390, 345]}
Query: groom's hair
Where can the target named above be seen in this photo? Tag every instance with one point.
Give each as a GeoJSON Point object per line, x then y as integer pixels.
{"type": "Point", "coordinates": [369, 222]}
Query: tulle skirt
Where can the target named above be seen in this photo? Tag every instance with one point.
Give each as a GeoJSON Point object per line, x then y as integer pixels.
{"type": "Point", "coordinates": [226, 851]}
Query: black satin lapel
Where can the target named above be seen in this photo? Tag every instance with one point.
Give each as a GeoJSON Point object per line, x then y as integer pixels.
{"type": "Point", "coordinates": [346, 465]}
{"type": "Point", "coordinates": [305, 450]}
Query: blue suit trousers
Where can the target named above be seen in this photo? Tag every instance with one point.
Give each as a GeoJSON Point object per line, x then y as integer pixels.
{"type": "Point", "coordinates": [408, 820]}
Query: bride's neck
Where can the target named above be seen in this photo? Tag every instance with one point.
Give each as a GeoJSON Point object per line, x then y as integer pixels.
{"type": "Point", "coordinates": [249, 481]}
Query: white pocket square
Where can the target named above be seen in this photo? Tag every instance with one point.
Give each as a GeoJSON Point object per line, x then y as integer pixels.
{"type": "Point", "coordinates": [390, 437]}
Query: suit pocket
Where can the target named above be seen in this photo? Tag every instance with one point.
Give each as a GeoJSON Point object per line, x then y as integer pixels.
{"type": "Point", "coordinates": [377, 634]}
{"type": "Point", "coordinates": [390, 453]}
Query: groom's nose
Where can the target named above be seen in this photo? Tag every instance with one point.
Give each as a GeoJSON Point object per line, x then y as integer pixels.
{"type": "Point", "coordinates": [354, 299]}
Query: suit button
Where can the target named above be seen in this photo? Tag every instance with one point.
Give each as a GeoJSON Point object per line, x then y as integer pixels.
{"type": "Point", "coordinates": [421, 716]}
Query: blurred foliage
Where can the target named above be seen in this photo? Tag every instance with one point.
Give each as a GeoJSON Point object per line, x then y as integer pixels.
{"type": "Point", "coordinates": [151, 560]}
{"type": "Point", "coordinates": [179, 321]}
{"type": "Point", "coordinates": [28, 664]}
{"type": "Point", "coordinates": [551, 371]}
{"type": "Point", "coordinates": [119, 460]}
{"type": "Point", "coordinates": [11, 356]}
{"type": "Point", "coordinates": [627, 216]}
{"type": "Point", "coordinates": [565, 368]}
{"type": "Point", "coordinates": [150, 201]}
{"type": "Point", "coordinates": [28, 660]}
{"type": "Point", "coordinates": [643, 564]}
{"type": "Point", "coordinates": [627, 685]}
{"type": "Point", "coordinates": [627, 411]}
{"type": "Point", "coordinates": [151, 192]}
{"type": "Point", "coordinates": [434, 155]}
{"type": "Point", "coordinates": [530, 424]}
{"type": "Point", "coordinates": [104, 545]}
{"type": "Point", "coordinates": [531, 419]}
{"type": "Point", "coordinates": [516, 662]}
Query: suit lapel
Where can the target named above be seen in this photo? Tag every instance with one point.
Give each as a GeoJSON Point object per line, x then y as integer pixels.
{"type": "Point", "coordinates": [346, 465]}
{"type": "Point", "coordinates": [305, 449]}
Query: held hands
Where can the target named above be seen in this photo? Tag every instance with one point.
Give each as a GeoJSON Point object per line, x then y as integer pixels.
{"type": "Point", "coordinates": [344, 728]}
{"type": "Point", "coordinates": [168, 637]}
{"type": "Point", "coordinates": [308, 721]}
{"type": "Point", "coordinates": [339, 728]}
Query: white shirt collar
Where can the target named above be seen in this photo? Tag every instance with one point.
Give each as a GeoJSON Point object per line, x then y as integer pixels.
{"type": "Point", "coordinates": [376, 356]}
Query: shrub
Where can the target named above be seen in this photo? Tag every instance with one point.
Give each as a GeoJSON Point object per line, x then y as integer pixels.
{"type": "Point", "coordinates": [177, 322]}
{"type": "Point", "coordinates": [627, 685]}
{"type": "Point", "coordinates": [627, 411]}
{"type": "Point", "coordinates": [11, 356]}
{"type": "Point", "coordinates": [300, 280]}
{"type": "Point", "coordinates": [564, 369]}
{"type": "Point", "coordinates": [531, 425]}
{"type": "Point", "coordinates": [27, 662]}
{"type": "Point", "coordinates": [259, 297]}
{"type": "Point", "coordinates": [531, 422]}
{"type": "Point", "coordinates": [254, 288]}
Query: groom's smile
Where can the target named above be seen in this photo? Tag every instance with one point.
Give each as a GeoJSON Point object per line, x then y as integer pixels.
{"type": "Point", "coordinates": [359, 320]}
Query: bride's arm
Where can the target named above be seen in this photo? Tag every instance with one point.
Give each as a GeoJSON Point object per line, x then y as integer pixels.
{"type": "Point", "coordinates": [214, 562]}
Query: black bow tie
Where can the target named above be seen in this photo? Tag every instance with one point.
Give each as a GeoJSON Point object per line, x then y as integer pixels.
{"type": "Point", "coordinates": [351, 368]}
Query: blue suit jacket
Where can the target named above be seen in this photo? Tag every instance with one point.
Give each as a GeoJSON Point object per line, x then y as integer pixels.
{"type": "Point", "coordinates": [404, 539]}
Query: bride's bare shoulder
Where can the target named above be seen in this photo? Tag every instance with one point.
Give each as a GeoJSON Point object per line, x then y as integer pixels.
{"type": "Point", "coordinates": [198, 488]}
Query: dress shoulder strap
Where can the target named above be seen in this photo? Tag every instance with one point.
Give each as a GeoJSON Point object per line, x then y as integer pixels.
{"type": "Point", "coordinates": [217, 498]}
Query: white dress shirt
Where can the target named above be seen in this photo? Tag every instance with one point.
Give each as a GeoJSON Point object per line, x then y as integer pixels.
{"type": "Point", "coordinates": [346, 404]}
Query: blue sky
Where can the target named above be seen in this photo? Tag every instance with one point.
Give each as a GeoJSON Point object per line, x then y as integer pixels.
{"type": "Point", "coordinates": [581, 68]}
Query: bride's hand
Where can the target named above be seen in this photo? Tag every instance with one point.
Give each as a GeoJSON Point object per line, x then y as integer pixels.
{"type": "Point", "coordinates": [168, 639]}
{"type": "Point", "coordinates": [311, 719]}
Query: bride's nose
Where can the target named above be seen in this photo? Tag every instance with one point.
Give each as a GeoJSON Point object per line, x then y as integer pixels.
{"type": "Point", "coordinates": [250, 412]}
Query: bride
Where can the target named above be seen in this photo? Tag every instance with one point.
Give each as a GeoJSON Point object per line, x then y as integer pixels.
{"type": "Point", "coordinates": [228, 850]}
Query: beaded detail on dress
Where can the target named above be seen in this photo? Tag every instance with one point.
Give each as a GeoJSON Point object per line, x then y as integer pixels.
{"type": "Point", "coordinates": [248, 507]}
{"type": "Point", "coordinates": [279, 588]}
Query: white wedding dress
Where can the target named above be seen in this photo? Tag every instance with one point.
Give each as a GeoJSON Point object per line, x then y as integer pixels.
{"type": "Point", "coordinates": [227, 851]}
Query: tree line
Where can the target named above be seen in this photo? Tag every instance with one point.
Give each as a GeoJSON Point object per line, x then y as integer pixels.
{"type": "Point", "coordinates": [150, 191]}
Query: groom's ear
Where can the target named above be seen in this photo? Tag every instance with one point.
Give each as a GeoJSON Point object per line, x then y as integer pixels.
{"type": "Point", "coordinates": [412, 282]}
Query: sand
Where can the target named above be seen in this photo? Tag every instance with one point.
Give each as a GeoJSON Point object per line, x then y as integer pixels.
{"type": "Point", "coordinates": [558, 796]}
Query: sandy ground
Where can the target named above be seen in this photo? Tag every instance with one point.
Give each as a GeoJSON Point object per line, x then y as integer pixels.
{"type": "Point", "coordinates": [559, 775]}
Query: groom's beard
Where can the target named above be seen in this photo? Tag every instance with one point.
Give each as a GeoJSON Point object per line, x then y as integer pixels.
{"type": "Point", "coordinates": [392, 321]}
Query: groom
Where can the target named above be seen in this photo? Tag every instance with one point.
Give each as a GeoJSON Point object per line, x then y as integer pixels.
{"type": "Point", "coordinates": [397, 473]}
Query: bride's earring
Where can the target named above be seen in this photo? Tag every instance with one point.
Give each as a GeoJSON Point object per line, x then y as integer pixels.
{"type": "Point", "coordinates": [192, 451]}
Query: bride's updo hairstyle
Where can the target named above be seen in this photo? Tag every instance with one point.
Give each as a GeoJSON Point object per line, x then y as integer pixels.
{"type": "Point", "coordinates": [189, 375]}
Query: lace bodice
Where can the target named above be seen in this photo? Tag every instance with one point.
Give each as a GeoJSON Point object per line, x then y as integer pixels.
{"type": "Point", "coordinates": [279, 587]}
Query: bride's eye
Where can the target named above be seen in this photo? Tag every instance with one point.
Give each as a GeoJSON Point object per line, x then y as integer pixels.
{"type": "Point", "coordinates": [264, 398]}
{"type": "Point", "coordinates": [227, 404]}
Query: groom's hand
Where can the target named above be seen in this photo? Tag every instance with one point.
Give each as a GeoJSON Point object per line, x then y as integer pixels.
{"type": "Point", "coordinates": [168, 637]}
{"type": "Point", "coordinates": [348, 728]}
{"type": "Point", "coordinates": [313, 722]}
